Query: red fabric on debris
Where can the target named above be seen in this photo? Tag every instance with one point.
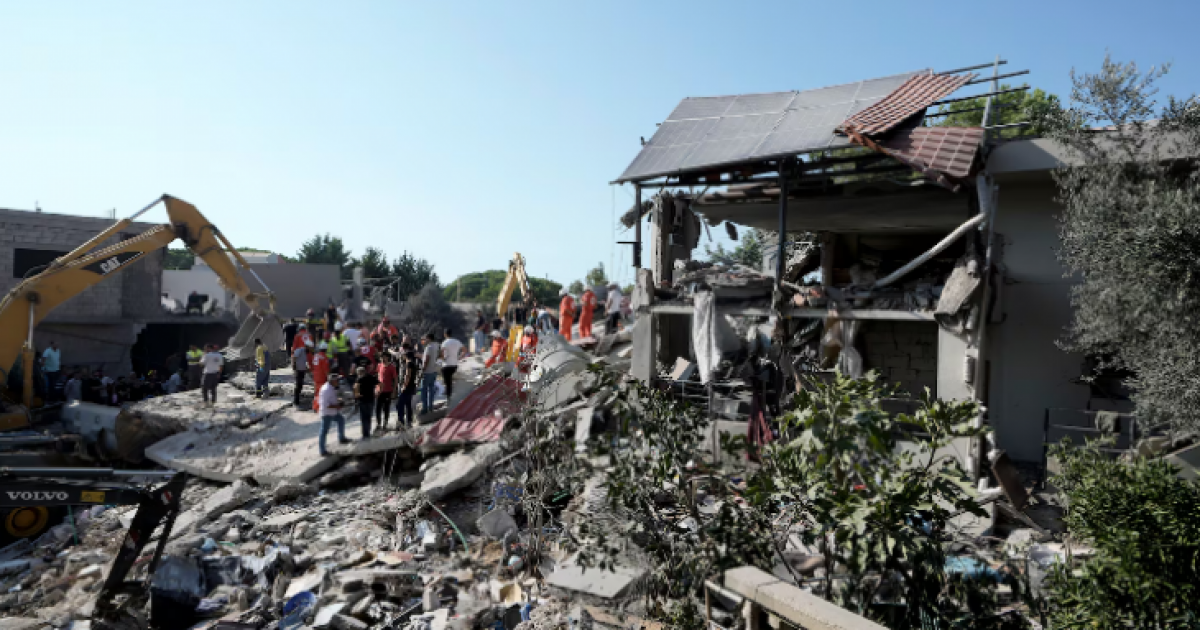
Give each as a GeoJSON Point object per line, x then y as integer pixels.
{"type": "Point", "coordinates": [474, 419]}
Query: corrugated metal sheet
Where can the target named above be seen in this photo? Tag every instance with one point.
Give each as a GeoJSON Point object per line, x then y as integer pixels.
{"type": "Point", "coordinates": [949, 150]}
{"type": "Point", "coordinates": [704, 133]}
{"type": "Point", "coordinates": [914, 96]}
{"type": "Point", "coordinates": [474, 419]}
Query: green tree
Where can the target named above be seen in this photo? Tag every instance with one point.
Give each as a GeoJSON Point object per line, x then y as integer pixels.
{"type": "Point", "coordinates": [594, 278]}
{"type": "Point", "coordinates": [180, 258]}
{"type": "Point", "coordinates": [412, 274]}
{"type": "Point", "coordinates": [324, 249]}
{"type": "Point", "coordinates": [1013, 107]}
{"type": "Point", "coordinates": [427, 311]}
{"type": "Point", "coordinates": [374, 263]}
{"type": "Point", "coordinates": [485, 286]}
{"type": "Point", "coordinates": [576, 287]}
{"type": "Point", "coordinates": [1130, 233]}
{"type": "Point", "coordinates": [749, 251]}
{"type": "Point", "coordinates": [1143, 523]}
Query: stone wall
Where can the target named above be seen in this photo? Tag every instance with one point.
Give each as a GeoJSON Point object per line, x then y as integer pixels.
{"type": "Point", "coordinates": [131, 294]}
{"type": "Point", "coordinates": [96, 328]}
{"type": "Point", "coordinates": [903, 352]}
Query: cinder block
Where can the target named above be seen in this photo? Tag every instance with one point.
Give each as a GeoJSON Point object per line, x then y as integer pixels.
{"type": "Point", "coordinates": [905, 375]}
{"type": "Point", "coordinates": [924, 364]}
{"type": "Point", "coordinates": [896, 361]}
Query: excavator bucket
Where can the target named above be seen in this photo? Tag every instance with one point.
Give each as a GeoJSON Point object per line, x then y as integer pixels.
{"type": "Point", "coordinates": [268, 328]}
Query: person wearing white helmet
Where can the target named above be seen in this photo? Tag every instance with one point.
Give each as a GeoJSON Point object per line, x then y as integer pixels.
{"type": "Point", "coordinates": [566, 314]}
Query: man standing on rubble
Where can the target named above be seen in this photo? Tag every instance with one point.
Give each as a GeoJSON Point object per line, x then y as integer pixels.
{"type": "Point", "coordinates": [429, 372]}
{"type": "Point", "coordinates": [51, 362]}
{"type": "Point", "coordinates": [499, 349]}
{"type": "Point", "coordinates": [386, 373]}
{"type": "Point", "coordinates": [193, 365]}
{"type": "Point", "coordinates": [301, 364]}
{"type": "Point", "coordinates": [480, 335]}
{"type": "Point", "coordinates": [364, 394]}
{"type": "Point", "coordinates": [588, 306]}
{"type": "Point", "coordinates": [302, 339]}
{"type": "Point", "coordinates": [408, 386]}
{"type": "Point", "coordinates": [566, 314]}
{"type": "Point", "coordinates": [340, 348]}
{"type": "Point", "coordinates": [314, 325]}
{"type": "Point", "coordinates": [330, 408]}
{"type": "Point", "coordinates": [289, 334]}
{"type": "Point", "coordinates": [452, 351]}
{"type": "Point", "coordinates": [320, 372]}
{"type": "Point", "coordinates": [612, 308]}
{"type": "Point", "coordinates": [212, 363]}
{"type": "Point", "coordinates": [262, 369]}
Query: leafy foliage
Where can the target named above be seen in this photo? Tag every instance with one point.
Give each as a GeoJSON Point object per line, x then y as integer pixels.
{"type": "Point", "coordinates": [1130, 231]}
{"type": "Point", "coordinates": [374, 263]}
{"type": "Point", "coordinates": [180, 258]}
{"type": "Point", "coordinates": [1144, 524]}
{"type": "Point", "coordinates": [837, 480]}
{"type": "Point", "coordinates": [596, 277]}
{"type": "Point", "coordinates": [576, 287]}
{"type": "Point", "coordinates": [428, 312]}
{"type": "Point", "coordinates": [749, 251]}
{"type": "Point", "coordinates": [484, 286]}
{"type": "Point", "coordinates": [326, 250]}
{"type": "Point", "coordinates": [878, 510]}
{"type": "Point", "coordinates": [1014, 107]}
{"type": "Point", "coordinates": [412, 274]}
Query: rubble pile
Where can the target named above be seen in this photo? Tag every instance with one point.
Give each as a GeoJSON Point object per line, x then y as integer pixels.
{"type": "Point", "coordinates": [397, 537]}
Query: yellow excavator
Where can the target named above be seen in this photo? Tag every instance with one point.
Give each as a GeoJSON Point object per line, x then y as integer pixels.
{"type": "Point", "coordinates": [43, 290]}
{"type": "Point", "coordinates": [516, 277]}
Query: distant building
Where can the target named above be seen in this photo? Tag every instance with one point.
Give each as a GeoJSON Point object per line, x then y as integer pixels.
{"type": "Point", "coordinates": [99, 327]}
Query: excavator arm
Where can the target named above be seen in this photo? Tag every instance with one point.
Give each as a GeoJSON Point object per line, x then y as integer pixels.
{"type": "Point", "coordinates": [515, 277]}
{"type": "Point", "coordinates": [35, 297]}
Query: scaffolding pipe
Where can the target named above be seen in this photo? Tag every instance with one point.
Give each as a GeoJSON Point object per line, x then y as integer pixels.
{"type": "Point", "coordinates": [937, 249]}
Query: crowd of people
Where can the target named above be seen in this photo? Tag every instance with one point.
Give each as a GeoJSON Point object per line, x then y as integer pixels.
{"type": "Point", "coordinates": [384, 367]}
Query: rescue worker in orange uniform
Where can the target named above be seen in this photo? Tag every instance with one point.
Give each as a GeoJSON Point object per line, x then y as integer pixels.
{"type": "Point", "coordinates": [566, 314]}
{"type": "Point", "coordinates": [499, 349]}
{"type": "Point", "coordinates": [588, 303]}
{"type": "Point", "coordinates": [320, 372]}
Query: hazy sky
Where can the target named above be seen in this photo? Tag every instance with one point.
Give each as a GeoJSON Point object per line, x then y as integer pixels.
{"type": "Point", "coordinates": [462, 131]}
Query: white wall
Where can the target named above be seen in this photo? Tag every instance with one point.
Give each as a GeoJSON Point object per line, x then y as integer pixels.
{"type": "Point", "coordinates": [1029, 373]}
{"type": "Point", "coordinates": [179, 283]}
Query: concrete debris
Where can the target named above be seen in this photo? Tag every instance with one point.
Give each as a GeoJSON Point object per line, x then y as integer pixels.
{"type": "Point", "coordinates": [459, 471]}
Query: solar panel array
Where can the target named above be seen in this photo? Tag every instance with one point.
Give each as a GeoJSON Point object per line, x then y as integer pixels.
{"type": "Point", "coordinates": [713, 131]}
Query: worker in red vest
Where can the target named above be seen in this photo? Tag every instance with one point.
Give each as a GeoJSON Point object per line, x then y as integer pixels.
{"type": "Point", "coordinates": [566, 314]}
{"type": "Point", "coordinates": [528, 349]}
{"type": "Point", "coordinates": [302, 338]}
{"type": "Point", "coordinates": [588, 300]}
{"type": "Point", "coordinates": [320, 372]}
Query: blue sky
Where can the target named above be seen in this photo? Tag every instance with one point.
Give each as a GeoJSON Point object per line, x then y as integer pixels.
{"type": "Point", "coordinates": [461, 131]}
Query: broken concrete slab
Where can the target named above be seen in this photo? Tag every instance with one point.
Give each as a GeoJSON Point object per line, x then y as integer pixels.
{"type": "Point", "coordinates": [219, 503]}
{"type": "Point", "coordinates": [283, 521]}
{"type": "Point", "coordinates": [789, 602]}
{"type": "Point", "coordinates": [281, 383]}
{"type": "Point", "coordinates": [1187, 459]}
{"type": "Point", "coordinates": [22, 623]}
{"type": "Point", "coordinates": [282, 448]}
{"type": "Point", "coordinates": [459, 471]}
{"type": "Point", "coordinates": [594, 581]}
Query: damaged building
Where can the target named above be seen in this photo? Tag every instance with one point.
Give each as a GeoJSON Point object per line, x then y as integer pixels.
{"type": "Point", "coordinates": [923, 253]}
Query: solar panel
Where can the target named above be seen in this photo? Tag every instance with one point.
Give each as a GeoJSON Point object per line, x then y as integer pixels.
{"type": "Point", "coordinates": [706, 132]}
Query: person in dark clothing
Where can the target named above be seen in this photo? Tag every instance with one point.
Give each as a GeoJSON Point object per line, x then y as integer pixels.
{"type": "Point", "coordinates": [410, 372]}
{"type": "Point", "coordinates": [331, 318]}
{"type": "Point", "coordinates": [289, 334]}
{"type": "Point", "coordinates": [364, 393]}
{"type": "Point", "coordinates": [91, 389]}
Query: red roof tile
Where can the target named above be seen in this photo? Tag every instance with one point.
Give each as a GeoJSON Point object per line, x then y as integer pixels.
{"type": "Point", "coordinates": [949, 150]}
{"type": "Point", "coordinates": [474, 419]}
{"type": "Point", "coordinates": [913, 96]}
